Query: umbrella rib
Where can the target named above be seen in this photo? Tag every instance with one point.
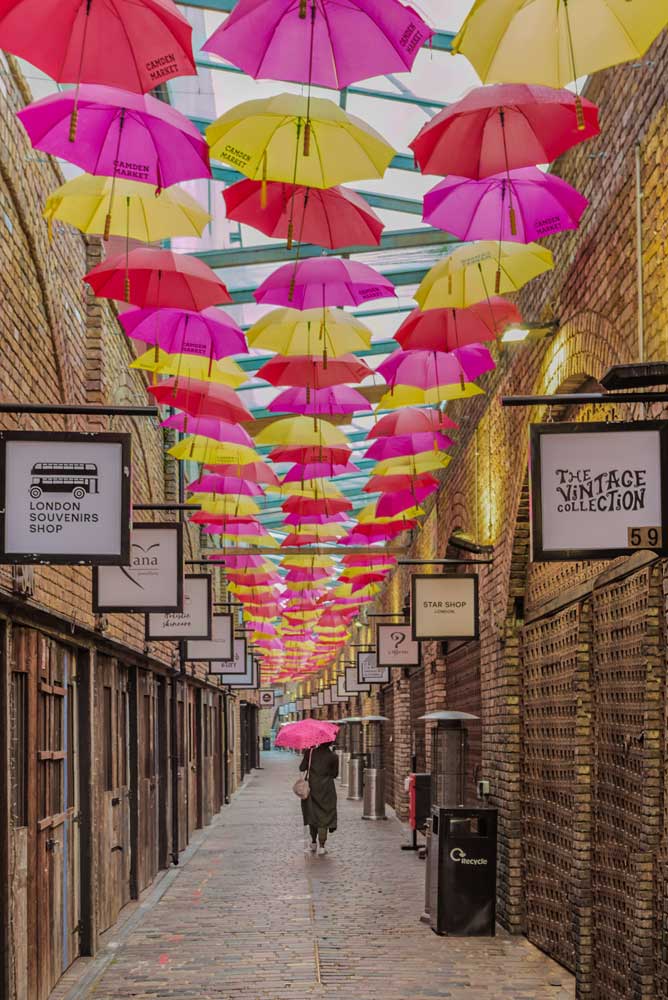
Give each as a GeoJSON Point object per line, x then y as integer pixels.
{"type": "Point", "coordinates": [113, 6]}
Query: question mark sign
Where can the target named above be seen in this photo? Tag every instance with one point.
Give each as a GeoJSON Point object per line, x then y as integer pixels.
{"type": "Point", "coordinates": [398, 638]}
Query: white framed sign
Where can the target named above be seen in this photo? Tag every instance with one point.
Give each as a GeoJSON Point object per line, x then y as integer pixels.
{"type": "Point", "coordinates": [218, 647]}
{"type": "Point", "coordinates": [153, 578]}
{"type": "Point", "coordinates": [194, 622]}
{"type": "Point", "coordinates": [445, 606]}
{"type": "Point", "coordinates": [339, 694]}
{"type": "Point", "coordinates": [251, 679]}
{"type": "Point", "coordinates": [396, 647]}
{"type": "Point", "coordinates": [321, 699]}
{"type": "Point", "coordinates": [65, 498]}
{"type": "Point", "coordinates": [598, 490]}
{"type": "Point", "coordinates": [327, 696]}
{"type": "Point", "coordinates": [267, 698]}
{"type": "Point", "coordinates": [351, 683]}
{"type": "Point", "coordinates": [314, 701]}
{"type": "Point", "coordinates": [368, 671]}
{"type": "Point", "coordinates": [235, 667]}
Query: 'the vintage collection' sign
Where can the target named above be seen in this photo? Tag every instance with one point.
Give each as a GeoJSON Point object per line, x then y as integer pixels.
{"type": "Point", "coordinates": [153, 578]}
{"type": "Point", "coordinates": [396, 647]}
{"type": "Point", "coordinates": [368, 670]}
{"type": "Point", "coordinates": [218, 647]}
{"type": "Point", "coordinates": [598, 490]}
{"type": "Point", "coordinates": [445, 607]}
{"type": "Point", "coordinates": [65, 498]}
{"type": "Point", "coordinates": [194, 622]}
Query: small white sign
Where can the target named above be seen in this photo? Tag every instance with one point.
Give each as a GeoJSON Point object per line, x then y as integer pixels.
{"type": "Point", "coordinates": [218, 647]}
{"type": "Point", "coordinates": [321, 699]}
{"type": "Point", "coordinates": [594, 485]}
{"type": "Point", "coordinates": [194, 622]}
{"type": "Point", "coordinates": [339, 691]}
{"type": "Point", "coordinates": [368, 671]}
{"type": "Point", "coordinates": [251, 679]}
{"type": "Point", "coordinates": [234, 667]}
{"type": "Point", "coordinates": [445, 607]}
{"type": "Point", "coordinates": [65, 498]}
{"type": "Point", "coordinates": [153, 578]}
{"type": "Point", "coordinates": [396, 646]}
{"type": "Point", "coordinates": [327, 696]}
{"type": "Point", "coordinates": [267, 698]}
{"type": "Point", "coordinates": [351, 683]}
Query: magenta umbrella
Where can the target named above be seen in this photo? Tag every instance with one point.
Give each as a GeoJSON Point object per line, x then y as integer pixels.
{"type": "Point", "coordinates": [317, 470]}
{"type": "Point", "coordinates": [209, 427]}
{"type": "Point", "coordinates": [323, 281]}
{"type": "Point", "coordinates": [323, 42]}
{"type": "Point", "coordinates": [394, 503]}
{"type": "Point", "coordinates": [429, 369]}
{"type": "Point", "coordinates": [522, 206]}
{"type": "Point", "coordinates": [408, 444]}
{"type": "Point", "coordinates": [134, 136]}
{"type": "Point", "coordinates": [330, 401]}
{"type": "Point", "coordinates": [315, 519]}
{"type": "Point", "coordinates": [208, 334]}
{"type": "Point", "coordinates": [226, 485]}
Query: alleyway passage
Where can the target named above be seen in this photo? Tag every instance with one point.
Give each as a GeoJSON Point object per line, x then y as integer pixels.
{"type": "Point", "coordinates": [248, 915]}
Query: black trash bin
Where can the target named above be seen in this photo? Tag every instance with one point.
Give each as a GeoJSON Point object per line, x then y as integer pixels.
{"type": "Point", "coordinates": [462, 871]}
{"type": "Point", "coordinates": [266, 742]}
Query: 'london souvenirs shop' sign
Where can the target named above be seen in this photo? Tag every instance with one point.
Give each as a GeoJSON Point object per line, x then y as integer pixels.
{"type": "Point", "coordinates": [598, 490]}
{"type": "Point", "coordinates": [65, 498]}
{"type": "Point", "coordinates": [153, 578]}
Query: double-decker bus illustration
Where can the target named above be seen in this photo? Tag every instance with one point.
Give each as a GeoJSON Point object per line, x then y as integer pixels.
{"type": "Point", "coordinates": [77, 478]}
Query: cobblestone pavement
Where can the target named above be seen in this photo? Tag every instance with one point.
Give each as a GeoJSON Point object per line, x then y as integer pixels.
{"type": "Point", "coordinates": [250, 916]}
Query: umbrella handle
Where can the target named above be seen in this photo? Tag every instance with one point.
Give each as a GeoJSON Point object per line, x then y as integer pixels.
{"type": "Point", "coordinates": [302, 9]}
{"type": "Point", "coordinates": [307, 139]}
{"type": "Point", "coordinates": [107, 227]}
{"type": "Point", "coordinates": [579, 113]}
{"type": "Point", "coordinates": [291, 233]}
{"type": "Point", "coordinates": [74, 120]}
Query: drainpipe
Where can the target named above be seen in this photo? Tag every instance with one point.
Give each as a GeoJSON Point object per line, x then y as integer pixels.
{"type": "Point", "coordinates": [639, 260]}
{"type": "Point", "coordinates": [225, 750]}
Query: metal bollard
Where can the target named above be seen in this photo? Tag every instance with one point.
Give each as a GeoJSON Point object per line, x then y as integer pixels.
{"type": "Point", "coordinates": [374, 793]}
{"type": "Point", "coordinates": [355, 775]}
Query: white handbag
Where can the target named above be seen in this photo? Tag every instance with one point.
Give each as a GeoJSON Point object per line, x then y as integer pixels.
{"type": "Point", "coordinates": [301, 787]}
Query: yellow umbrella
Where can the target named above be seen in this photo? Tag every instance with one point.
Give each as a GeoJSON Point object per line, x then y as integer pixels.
{"type": "Point", "coordinates": [261, 138]}
{"type": "Point", "coordinates": [225, 503]}
{"type": "Point", "coordinates": [475, 271]}
{"type": "Point", "coordinates": [309, 332]}
{"type": "Point", "coordinates": [553, 42]}
{"type": "Point", "coordinates": [241, 541]}
{"type": "Point", "coordinates": [317, 488]}
{"type": "Point", "coordinates": [240, 588]}
{"type": "Point", "coordinates": [368, 515]}
{"type": "Point", "coordinates": [321, 530]}
{"type": "Point", "coordinates": [409, 395]}
{"type": "Point", "coordinates": [225, 372]}
{"type": "Point", "coordinates": [412, 464]}
{"type": "Point", "coordinates": [304, 432]}
{"type": "Point", "coordinates": [321, 562]}
{"type": "Point", "coordinates": [115, 207]}
{"type": "Point", "coordinates": [209, 452]}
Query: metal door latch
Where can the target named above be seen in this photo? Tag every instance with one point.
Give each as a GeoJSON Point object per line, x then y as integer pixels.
{"type": "Point", "coordinates": [51, 844]}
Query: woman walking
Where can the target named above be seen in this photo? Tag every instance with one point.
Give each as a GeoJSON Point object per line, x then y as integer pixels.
{"type": "Point", "coordinates": [319, 809]}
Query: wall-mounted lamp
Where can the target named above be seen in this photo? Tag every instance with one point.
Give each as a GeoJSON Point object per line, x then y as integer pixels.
{"type": "Point", "coordinates": [529, 331]}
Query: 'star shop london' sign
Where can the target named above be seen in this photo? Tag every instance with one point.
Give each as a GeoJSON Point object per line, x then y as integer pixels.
{"type": "Point", "coordinates": [598, 490]}
{"type": "Point", "coordinates": [65, 498]}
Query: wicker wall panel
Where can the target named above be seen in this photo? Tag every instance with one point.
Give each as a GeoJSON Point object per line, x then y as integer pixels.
{"type": "Point", "coordinates": [551, 655]}
{"type": "Point", "coordinates": [463, 695]}
{"type": "Point", "coordinates": [628, 693]}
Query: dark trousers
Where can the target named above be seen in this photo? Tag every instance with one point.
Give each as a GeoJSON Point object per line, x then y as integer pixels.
{"type": "Point", "coordinates": [318, 833]}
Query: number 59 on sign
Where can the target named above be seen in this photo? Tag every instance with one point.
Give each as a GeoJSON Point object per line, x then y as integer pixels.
{"type": "Point", "coordinates": [645, 538]}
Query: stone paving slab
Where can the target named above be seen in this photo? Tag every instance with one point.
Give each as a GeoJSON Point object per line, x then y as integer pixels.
{"type": "Point", "coordinates": [250, 917]}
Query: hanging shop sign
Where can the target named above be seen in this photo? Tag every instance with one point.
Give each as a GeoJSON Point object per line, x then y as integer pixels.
{"type": "Point", "coordinates": [598, 490]}
{"type": "Point", "coordinates": [251, 679]}
{"type": "Point", "coordinates": [153, 578]}
{"type": "Point", "coordinates": [65, 498]}
{"type": "Point", "coordinates": [351, 684]}
{"type": "Point", "coordinates": [236, 666]}
{"type": "Point", "coordinates": [338, 691]}
{"type": "Point", "coordinates": [445, 607]}
{"type": "Point", "coordinates": [267, 698]}
{"type": "Point", "coordinates": [368, 670]}
{"type": "Point", "coordinates": [194, 622]}
{"type": "Point", "coordinates": [218, 647]}
{"type": "Point", "coordinates": [321, 699]}
{"type": "Point", "coordinates": [396, 647]}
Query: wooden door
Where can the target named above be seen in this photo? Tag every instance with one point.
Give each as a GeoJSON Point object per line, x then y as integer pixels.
{"type": "Point", "coordinates": [218, 750]}
{"type": "Point", "coordinates": [112, 788]}
{"type": "Point", "coordinates": [182, 765]}
{"type": "Point", "coordinates": [193, 762]}
{"type": "Point", "coordinates": [147, 778]}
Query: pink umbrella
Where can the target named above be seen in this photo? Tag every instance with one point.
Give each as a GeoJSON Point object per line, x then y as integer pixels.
{"type": "Point", "coordinates": [323, 281]}
{"type": "Point", "coordinates": [367, 560]}
{"type": "Point", "coordinates": [305, 574]}
{"type": "Point", "coordinates": [395, 503]}
{"type": "Point", "coordinates": [209, 427]}
{"type": "Point", "coordinates": [401, 482]}
{"type": "Point", "coordinates": [315, 519]}
{"type": "Point", "coordinates": [225, 485]}
{"type": "Point", "coordinates": [255, 472]}
{"type": "Point", "coordinates": [333, 400]}
{"type": "Point", "coordinates": [304, 370]}
{"type": "Point", "coordinates": [311, 454]}
{"type": "Point", "coordinates": [448, 329]}
{"type": "Point", "coordinates": [240, 530]}
{"type": "Point", "coordinates": [499, 128]}
{"type": "Point", "coordinates": [242, 562]}
{"type": "Point", "coordinates": [120, 134]}
{"type": "Point", "coordinates": [317, 470]}
{"type": "Point", "coordinates": [209, 334]}
{"type": "Point", "coordinates": [360, 582]}
{"type": "Point", "coordinates": [408, 444]}
{"type": "Point", "coordinates": [323, 42]}
{"type": "Point", "coordinates": [522, 206]}
{"type": "Point", "coordinates": [429, 369]}
{"type": "Point", "coordinates": [411, 420]}
{"type": "Point", "coordinates": [201, 399]}
{"type": "Point", "coordinates": [298, 541]}
{"type": "Point", "coordinates": [134, 44]}
{"type": "Point", "coordinates": [329, 217]}
{"type": "Point", "coordinates": [158, 279]}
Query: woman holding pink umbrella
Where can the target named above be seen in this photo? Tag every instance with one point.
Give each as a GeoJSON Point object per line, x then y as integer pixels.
{"type": "Point", "coordinates": [319, 810]}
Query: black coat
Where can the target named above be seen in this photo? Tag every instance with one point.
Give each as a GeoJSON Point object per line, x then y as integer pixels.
{"type": "Point", "coordinates": [319, 809]}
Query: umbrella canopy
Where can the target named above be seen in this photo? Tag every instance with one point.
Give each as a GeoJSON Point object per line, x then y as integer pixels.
{"type": "Point", "coordinates": [307, 506]}
{"type": "Point", "coordinates": [411, 421]}
{"type": "Point", "coordinates": [412, 465]}
{"type": "Point", "coordinates": [400, 396]}
{"type": "Point", "coordinates": [393, 484]}
{"type": "Point", "coordinates": [522, 205]}
{"type": "Point", "coordinates": [211, 483]}
{"type": "Point", "coordinates": [312, 453]}
{"type": "Point", "coordinates": [209, 334]}
{"type": "Point", "coordinates": [331, 401]}
{"type": "Point", "coordinates": [201, 399]}
{"type": "Point", "coordinates": [225, 371]}
{"type": "Point", "coordinates": [333, 45]}
{"type": "Point", "coordinates": [158, 279]}
{"type": "Point", "coordinates": [408, 444]}
{"type": "Point", "coordinates": [391, 504]}
{"type": "Point", "coordinates": [254, 472]}
{"type": "Point", "coordinates": [262, 138]}
{"type": "Point", "coordinates": [428, 369]}
{"type": "Point", "coordinates": [211, 427]}
{"type": "Point", "coordinates": [118, 207]}
{"type": "Point", "coordinates": [130, 136]}
{"type": "Point", "coordinates": [311, 331]}
{"type": "Point", "coordinates": [301, 431]}
{"type": "Point", "coordinates": [302, 370]}
{"type": "Point", "coordinates": [472, 272]}
{"type": "Point", "coordinates": [328, 217]}
{"type": "Point", "coordinates": [323, 281]}
{"type": "Point", "coordinates": [316, 470]}
{"type": "Point", "coordinates": [447, 329]}
{"type": "Point", "coordinates": [134, 44]}
{"type": "Point", "coordinates": [554, 43]}
{"type": "Point", "coordinates": [203, 450]}
{"type": "Point", "coordinates": [495, 129]}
